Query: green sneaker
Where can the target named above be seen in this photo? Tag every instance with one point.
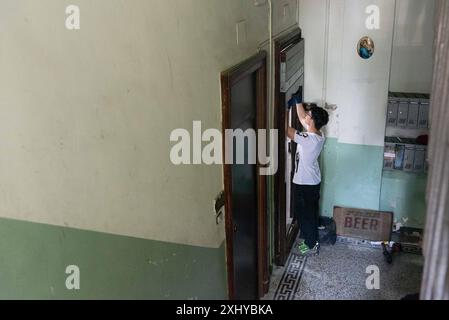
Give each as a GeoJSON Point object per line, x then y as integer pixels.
{"type": "Point", "coordinates": [302, 246]}
{"type": "Point", "coordinates": [306, 251]}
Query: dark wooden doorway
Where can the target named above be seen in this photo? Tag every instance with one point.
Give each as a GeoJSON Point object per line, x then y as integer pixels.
{"type": "Point", "coordinates": [289, 78]}
{"type": "Point", "coordinates": [244, 92]}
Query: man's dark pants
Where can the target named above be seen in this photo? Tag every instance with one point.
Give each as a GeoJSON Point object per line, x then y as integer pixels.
{"type": "Point", "coordinates": [306, 204]}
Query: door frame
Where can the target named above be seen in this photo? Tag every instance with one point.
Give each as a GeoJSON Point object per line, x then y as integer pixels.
{"type": "Point", "coordinates": [283, 240]}
{"type": "Point", "coordinates": [257, 64]}
{"type": "Point", "coordinates": [435, 280]}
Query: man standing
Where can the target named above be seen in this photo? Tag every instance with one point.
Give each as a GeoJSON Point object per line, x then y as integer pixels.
{"type": "Point", "coordinates": [307, 177]}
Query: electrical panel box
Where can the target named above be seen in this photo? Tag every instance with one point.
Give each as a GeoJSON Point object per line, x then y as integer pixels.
{"type": "Point", "coordinates": [413, 113]}
{"type": "Point", "coordinates": [292, 68]}
{"type": "Point", "coordinates": [420, 159]}
{"type": "Point", "coordinates": [404, 154]}
{"type": "Point", "coordinates": [389, 155]}
{"type": "Point", "coordinates": [409, 158]}
{"type": "Point", "coordinates": [399, 157]}
{"type": "Point", "coordinates": [402, 114]}
{"type": "Point", "coordinates": [408, 110]}
{"type": "Point", "coordinates": [392, 117]}
{"type": "Point", "coordinates": [423, 120]}
{"type": "Point", "coordinates": [406, 132]}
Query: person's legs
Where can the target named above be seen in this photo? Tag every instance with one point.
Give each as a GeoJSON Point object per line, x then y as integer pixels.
{"type": "Point", "coordinates": [298, 204]}
{"type": "Point", "coordinates": [310, 214]}
{"type": "Point", "coordinates": [315, 208]}
{"type": "Point", "coordinates": [303, 212]}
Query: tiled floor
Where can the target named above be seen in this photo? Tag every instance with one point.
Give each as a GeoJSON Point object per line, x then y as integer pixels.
{"type": "Point", "coordinates": [340, 273]}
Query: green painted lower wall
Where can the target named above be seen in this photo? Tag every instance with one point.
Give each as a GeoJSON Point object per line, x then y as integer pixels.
{"type": "Point", "coordinates": [34, 257]}
{"type": "Point", "coordinates": [404, 194]}
{"type": "Point", "coordinates": [353, 177]}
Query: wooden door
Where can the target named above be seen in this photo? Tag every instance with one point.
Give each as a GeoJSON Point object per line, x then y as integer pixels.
{"type": "Point", "coordinates": [244, 107]}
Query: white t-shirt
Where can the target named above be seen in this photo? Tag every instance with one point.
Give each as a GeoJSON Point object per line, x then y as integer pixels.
{"type": "Point", "coordinates": [307, 169]}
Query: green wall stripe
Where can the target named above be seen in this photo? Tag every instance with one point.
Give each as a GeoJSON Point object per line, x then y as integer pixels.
{"type": "Point", "coordinates": [404, 194]}
{"type": "Point", "coordinates": [34, 257]}
{"type": "Point", "coordinates": [352, 176]}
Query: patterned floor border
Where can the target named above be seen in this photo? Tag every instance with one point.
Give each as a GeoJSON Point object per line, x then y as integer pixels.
{"type": "Point", "coordinates": [288, 286]}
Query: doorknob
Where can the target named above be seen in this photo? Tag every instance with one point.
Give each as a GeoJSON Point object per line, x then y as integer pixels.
{"type": "Point", "coordinates": [235, 228]}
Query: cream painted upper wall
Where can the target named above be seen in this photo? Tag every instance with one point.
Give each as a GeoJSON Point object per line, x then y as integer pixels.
{"type": "Point", "coordinates": [358, 87]}
{"type": "Point", "coordinates": [403, 61]}
{"type": "Point", "coordinates": [413, 51]}
{"type": "Point", "coordinates": [85, 116]}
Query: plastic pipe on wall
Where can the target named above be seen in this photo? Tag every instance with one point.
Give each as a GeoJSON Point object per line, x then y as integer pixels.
{"type": "Point", "coordinates": [326, 52]}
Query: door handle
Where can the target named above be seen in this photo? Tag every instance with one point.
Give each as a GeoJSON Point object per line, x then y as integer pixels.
{"type": "Point", "coordinates": [235, 228]}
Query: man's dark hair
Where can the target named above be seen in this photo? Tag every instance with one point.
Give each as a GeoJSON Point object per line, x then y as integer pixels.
{"type": "Point", "coordinates": [319, 115]}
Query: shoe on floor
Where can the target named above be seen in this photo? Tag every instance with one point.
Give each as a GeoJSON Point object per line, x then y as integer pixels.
{"type": "Point", "coordinates": [306, 251]}
{"type": "Point", "coordinates": [300, 243]}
